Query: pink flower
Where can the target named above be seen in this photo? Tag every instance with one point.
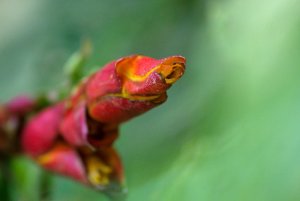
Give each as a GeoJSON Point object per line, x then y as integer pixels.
{"type": "Point", "coordinates": [75, 137]}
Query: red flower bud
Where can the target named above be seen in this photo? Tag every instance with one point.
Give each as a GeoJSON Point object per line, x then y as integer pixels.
{"type": "Point", "coordinates": [20, 105]}
{"type": "Point", "coordinates": [130, 86]}
{"type": "Point", "coordinates": [41, 131]}
{"type": "Point", "coordinates": [75, 138]}
{"type": "Point", "coordinates": [12, 116]}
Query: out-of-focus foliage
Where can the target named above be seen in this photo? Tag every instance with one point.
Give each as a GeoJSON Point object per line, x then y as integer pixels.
{"type": "Point", "coordinates": [230, 129]}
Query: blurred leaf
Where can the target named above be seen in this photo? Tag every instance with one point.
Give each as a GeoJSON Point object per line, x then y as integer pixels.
{"type": "Point", "coordinates": [75, 64]}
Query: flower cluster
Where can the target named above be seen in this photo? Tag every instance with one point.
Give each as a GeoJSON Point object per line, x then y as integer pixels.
{"type": "Point", "coordinates": [75, 136]}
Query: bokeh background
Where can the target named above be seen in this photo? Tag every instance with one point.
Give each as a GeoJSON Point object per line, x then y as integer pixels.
{"type": "Point", "coordinates": [230, 129]}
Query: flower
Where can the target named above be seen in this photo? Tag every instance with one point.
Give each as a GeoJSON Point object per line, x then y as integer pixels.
{"type": "Point", "coordinates": [131, 86]}
{"type": "Point", "coordinates": [75, 137]}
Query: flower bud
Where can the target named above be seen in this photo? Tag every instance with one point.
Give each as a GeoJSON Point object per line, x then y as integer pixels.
{"type": "Point", "coordinates": [131, 86]}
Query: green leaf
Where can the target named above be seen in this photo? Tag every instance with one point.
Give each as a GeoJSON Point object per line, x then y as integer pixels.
{"type": "Point", "coordinates": [75, 64]}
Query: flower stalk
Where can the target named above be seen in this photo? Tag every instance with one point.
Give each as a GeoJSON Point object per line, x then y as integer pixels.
{"type": "Point", "coordinates": [5, 181]}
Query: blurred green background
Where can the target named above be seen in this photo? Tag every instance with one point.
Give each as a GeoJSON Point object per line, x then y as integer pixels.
{"type": "Point", "coordinates": [230, 129]}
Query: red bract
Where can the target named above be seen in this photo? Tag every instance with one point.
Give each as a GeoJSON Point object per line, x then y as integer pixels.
{"type": "Point", "coordinates": [12, 118]}
{"type": "Point", "coordinates": [75, 137]}
{"type": "Point", "coordinates": [130, 86]}
{"type": "Point", "coordinates": [65, 160]}
{"type": "Point", "coordinates": [42, 130]}
{"type": "Point", "coordinates": [20, 105]}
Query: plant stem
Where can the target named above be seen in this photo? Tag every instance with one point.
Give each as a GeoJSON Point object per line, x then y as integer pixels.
{"type": "Point", "coordinates": [5, 191]}
{"type": "Point", "coordinates": [45, 186]}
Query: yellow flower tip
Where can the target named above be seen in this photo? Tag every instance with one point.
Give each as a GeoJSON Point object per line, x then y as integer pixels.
{"type": "Point", "coordinates": [138, 68]}
{"type": "Point", "coordinates": [172, 68]}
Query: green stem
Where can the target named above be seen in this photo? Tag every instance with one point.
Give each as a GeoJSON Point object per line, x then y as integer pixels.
{"type": "Point", "coordinates": [5, 191]}
{"type": "Point", "coordinates": [45, 186]}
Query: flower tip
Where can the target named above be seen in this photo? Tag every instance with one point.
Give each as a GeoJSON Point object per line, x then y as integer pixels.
{"type": "Point", "coordinates": [172, 68]}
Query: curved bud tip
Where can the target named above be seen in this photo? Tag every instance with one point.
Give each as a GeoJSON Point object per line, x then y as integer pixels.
{"type": "Point", "coordinates": [172, 68]}
{"type": "Point", "coordinates": [148, 78]}
{"type": "Point", "coordinates": [138, 68]}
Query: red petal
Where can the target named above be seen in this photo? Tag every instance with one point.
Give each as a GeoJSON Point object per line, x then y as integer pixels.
{"type": "Point", "coordinates": [39, 133]}
{"type": "Point", "coordinates": [116, 109]}
{"type": "Point", "coordinates": [64, 160]}
{"type": "Point", "coordinates": [104, 82]}
{"type": "Point", "coordinates": [74, 126]}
